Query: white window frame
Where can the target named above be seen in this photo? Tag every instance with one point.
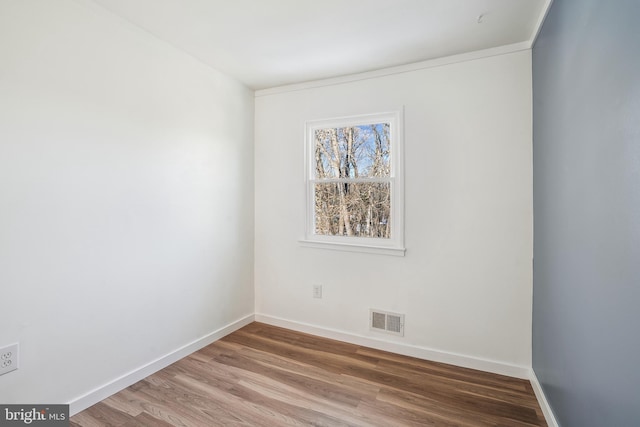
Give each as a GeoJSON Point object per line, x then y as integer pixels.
{"type": "Point", "coordinates": [391, 246]}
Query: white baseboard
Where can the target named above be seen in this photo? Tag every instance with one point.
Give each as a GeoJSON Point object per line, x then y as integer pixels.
{"type": "Point", "coordinates": [464, 361]}
{"type": "Point", "coordinates": [80, 403]}
{"type": "Point", "coordinates": [542, 400]}
{"type": "Point", "coordinates": [523, 372]}
{"type": "Point", "coordinates": [91, 398]}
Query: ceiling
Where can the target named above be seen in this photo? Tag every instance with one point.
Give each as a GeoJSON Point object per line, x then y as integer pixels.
{"type": "Point", "coordinates": [268, 43]}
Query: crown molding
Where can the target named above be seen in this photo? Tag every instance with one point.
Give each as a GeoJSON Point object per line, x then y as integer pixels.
{"type": "Point", "coordinates": [431, 63]}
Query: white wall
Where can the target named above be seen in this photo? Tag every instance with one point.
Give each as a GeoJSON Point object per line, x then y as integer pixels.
{"type": "Point", "coordinates": [465, 283]}
{"type": "Point", "coordinates": [126, 198]}
{"type": "Point", "coordinates": [126, 204]}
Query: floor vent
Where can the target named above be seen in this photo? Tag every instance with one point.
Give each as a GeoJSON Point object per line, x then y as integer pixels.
{"type": "Point", "coordinates": [384, 321]}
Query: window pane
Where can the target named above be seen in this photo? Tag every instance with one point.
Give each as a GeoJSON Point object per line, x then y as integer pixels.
{"type": "Point", "coordinates": [352, 152]}
{"type": "Point", "coordinates": [353, 209]}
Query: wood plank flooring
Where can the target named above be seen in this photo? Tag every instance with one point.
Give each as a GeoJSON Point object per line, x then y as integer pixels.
{"type": "Point", "coordinates": [262, 375]}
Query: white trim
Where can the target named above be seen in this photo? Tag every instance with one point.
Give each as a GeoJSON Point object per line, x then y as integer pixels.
{"type": "Point", "coordinates": [391, 246]}
{"type": "Point", "coordinates": [542, 400]}
{"type": "Point", "coordinates": [371, 180]}
{"type": "Point", "coordinates": [94, 396]}
{"type": "Point", "coordinates": [465, 361]}
{"type": "Point", "coordinates": [430, 63]}
{"type": "Point", "coordinates": [353, 248]}
{"type": "Point", "coordinates": [540, 23]}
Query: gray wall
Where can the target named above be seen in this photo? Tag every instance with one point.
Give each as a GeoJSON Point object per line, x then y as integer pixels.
{"type": "Point", "coordinates": [586, 150]}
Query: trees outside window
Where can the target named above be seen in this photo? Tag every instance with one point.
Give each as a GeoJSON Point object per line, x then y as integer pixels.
{"type": "Point", "coordinates": [353, 186]}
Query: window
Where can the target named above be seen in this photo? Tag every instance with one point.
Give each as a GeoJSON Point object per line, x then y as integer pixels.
{"type": "Point", "coordinates": [354, 184]}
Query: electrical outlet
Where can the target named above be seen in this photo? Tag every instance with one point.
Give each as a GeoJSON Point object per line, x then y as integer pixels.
{"type": "Point", "coordinates": [8, 358]}
{"type": "Point", "coordinates": [317, 291]}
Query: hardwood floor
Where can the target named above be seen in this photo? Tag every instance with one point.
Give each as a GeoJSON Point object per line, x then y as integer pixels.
{"type": "Point", "coordinates": [262, 375]}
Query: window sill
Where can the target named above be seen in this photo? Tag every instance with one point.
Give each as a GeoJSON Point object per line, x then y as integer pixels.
{"type": "Point", "coordinates": [381, 250]}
